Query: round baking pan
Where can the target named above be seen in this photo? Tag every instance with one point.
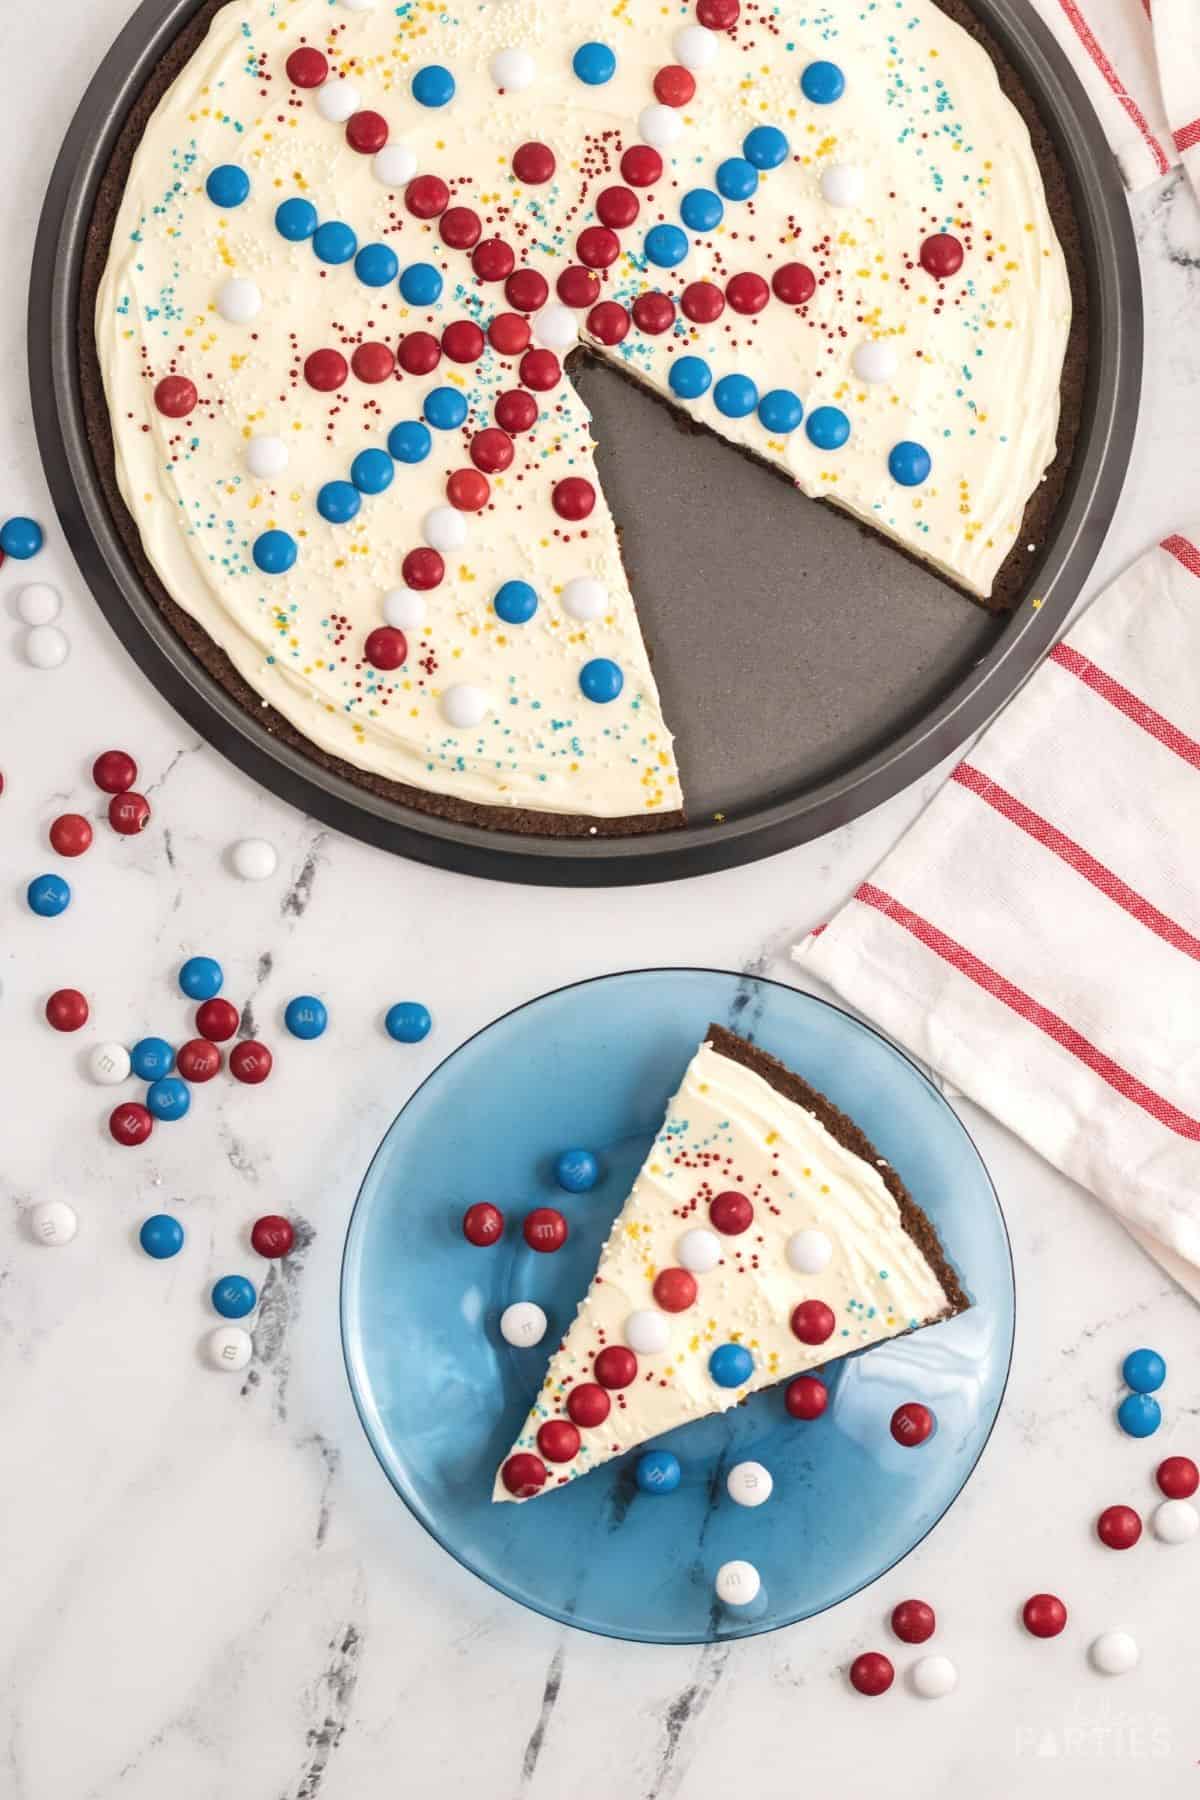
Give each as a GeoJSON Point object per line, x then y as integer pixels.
{"type": "Point", "coordinates": [809, 670]}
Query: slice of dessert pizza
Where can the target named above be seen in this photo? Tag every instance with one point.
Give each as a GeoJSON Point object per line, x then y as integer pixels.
{"type": "Point", "coordinates": [764, 1235]}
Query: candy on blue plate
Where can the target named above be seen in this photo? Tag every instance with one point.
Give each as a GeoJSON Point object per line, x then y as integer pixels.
{"type": "Point", "coordinates": [577, 1171]}
{"type": "Point", "coordinates": [657, 1472]}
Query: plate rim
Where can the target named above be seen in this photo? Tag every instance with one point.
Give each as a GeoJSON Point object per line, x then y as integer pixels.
{"type": "Point", "coordinates": [348, 1359]}
{"type": "Point", "coordinates": [1089, 501]}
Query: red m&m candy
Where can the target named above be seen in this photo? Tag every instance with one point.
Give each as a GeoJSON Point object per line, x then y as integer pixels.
{"type": "Point", "coordinates": [674, 85]}
{"type": "Point", "coordinates": [516, 410]}
{"type": "Point", "coordinates": [533, 163]}
{"type": "Point", "coordinates": [492, 450]}
{"type": "Point", "coordinates": [250, 1062]}
{"type": "Point", "coordinates": [366, 132]}
{"type": "Point", "coordinates": [483, 1224]}
{"type": "Point", "coordinates": [911, 1423]}
{"type": "Point", "coordinates": [70, 834]}
{"type": "Point", "coordinates": [577, 286]}
{"type": "Point", "coordinates": [598, 247]}
{"type": "Point", "coordinates": [702, 302]}
{"type": "Point", "coordinates": [198, 1060]}
{"type": "Point", "coordinates": [558, 1440]}
{"type": "Point", "coordinates": [615, 1366]}
{"type": "Point", "coordinates": [526, 290]}
{"type": "Point", "coordinates": [588, 1404]}
{"type": "Point", "coordinates": [813, 1321]}
{"type": "Point", "coordinates": [460, 227]}
{"type": "Point", "coordinates": [1118, 1527]}
{"type": "Point", "coordinates": [675, 1290]}
{"type": "Point", "coordinates": [493, 260]}
{"type": "Point", "coordinates": [794, 283]}
{"type": "Point", "coordinates": [941, 255]}
{"type": "Point", "coordinates": [747, 292]}
{"type": "Point", "coordinates": [731, 1213]}
{"type": "Point", "coordinates": [545, 1229]}
{"type": "Point", "coordinates": [67, 1009]}
{"type": "Point", "coordinates": [509, 333]}
{"type": "Point", "coordinates": [468, 490]}
{"type": "Point", "coordinates": [617, 207]}
{"type": "Point", "coordinates": [175, 396]}
{"type": "Point", "coordinates": [641, 165]}
{"type": "Point", "coordinates": [913, 1621]}
{"type": "Point", "coordinates": [373, 362]}
{"type": "Point", "coordinates": [540, 370]}
{"type": "Point", "coordinates": [272, 1235]}
{"type": "Point", "coordinates": [325, 370]}
{"type": "Point", "coordinates": [718, 15]}
{"type": "Point", "coordinates": [463, 341]}
{"type": "Point", "coordinates": [114, 771]}
{"type": "Point", "coordinates": [524, 1475]}
{"type": "Point", "coordinates": [1044, 1615]}
{"type": "Point", "coordinates": [130, 1123]}
{"type": "Point", "coordinates": [608, 322]}
{"type": "Point", "coordinates": [427, 196]}
{"type": "Point", "coordinates": [654, 313]}
{"type": "Point", "coordinates": [129, 813]}
{"type": "Point", "coordinates": [306, 67]}
{"type": "Point", "coordinates": [217, 1020]}
{"type": "Point", "coordinates": [419, 353]}
{"type": "Point", "coordinates": [872, 1673]}
{"type": "Point", "coordinates": [1178, 1477]}
{"type": "Point", "coordinates": [573, 498]}
{"type": "Point", "coordinates": [806, 1397]}
{"type": "Point", "coordinates": [385, 648]}
{"type": "Point", "coordinates": [423, 569]}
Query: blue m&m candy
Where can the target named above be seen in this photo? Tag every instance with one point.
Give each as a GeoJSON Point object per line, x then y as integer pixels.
{"type": "Point", "coordinates": [151, 1058]}
{"type": "Point", "coordinates": [576, 1171]}
{"type": "Point", "coordinates": [48, 895]}
{"type": "Point", "coordinates": [594, 64]}
{"type": "Point", "coordinates": [828, 427]}
{"type": "Point", "coordinates": [376, 265]}
{"type": "Point", "coordinates": [690, 376]}
{"type": "Point", "coordinates": [227, 185]}
{"type": "Point", "coordinates": [421, 284]}
{"type": "Point", "coordinates": [909, 463]}
{"type": "Point", "coordinates": [433, 86]}
{"type": "Point", "coordinates": [765, 147]}
{"type": "Point", "coordinates": [334, 242]}
{"type": "Point", "coordinates": [295, 219]}
{"type": "Point", "coordinates": [657, 1472]}
{"type": "Point", "coordinates": [410, 441]}
{"type": "Point", "coordinates": [780, 411]}
{"type": "Point", "coordinates": [822, 83]}
{"type": "Point", "coordinates": [372, 471]}
{"type": "Point", "coordinates": [515, 602]}
{"type": "Point", "coordinates": [201, 977]}
{"type": "Point", "coordinates": [20, 537]}
{"type": "Point", "coordinates": [274, 552]}
{"type": "Point", "coordinates": [736, 396]}
{"type": "Point", "coordinates": [666, 245]}
{"type": "Point", "coordinates": [168, 1098]}
{"type": "Point", "coordinates": [730, 1365]}
{"type": "Point", "coordinates": [408, 1021]}
{"type": "Point", "coordinates": [1144, 1371]}
{"type": "Point", "coordinates": [445, 408]}
{"type": "Point", "coordinates": [736, 178]}
{"type": "Point", "coordinates": [701, 209]}
{"type": "Point", "coordinates": [601, 680]}
{"type": "Point", "coordinates": [233, 1296]}
{"type": "Point", "coordinates": [161, 1236]}
{"type": "Point", "coordinates": [338, 501]}
{"type": "Point", "coordinates": [1139, 1415]}
{"type": "Point", "coordinates": [305, 1016]}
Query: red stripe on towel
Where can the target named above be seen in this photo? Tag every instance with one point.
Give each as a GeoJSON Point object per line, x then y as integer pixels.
{"type": "Point", "coordinates": [1182, 549]}
{"type": "Point", "coordinates": [1188, 136]}
{"type": "Point", "coordinates": [1127, 702]}
{"type": "Point", "coordinates": [1083, 32]}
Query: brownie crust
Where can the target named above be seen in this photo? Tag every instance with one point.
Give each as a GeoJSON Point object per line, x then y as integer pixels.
{"type": "Point", "coordinates": [845, 1132]}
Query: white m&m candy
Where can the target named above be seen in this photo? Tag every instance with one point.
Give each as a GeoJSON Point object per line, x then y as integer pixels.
{"type": "Point", "coordinates": [109, 1064]}
{"type": "Point", "coordinates": [555, 327]}
{"type": "Point", "coordinates": [660, 126]}
{"type": "Point", "coordinates": [584, 599]}
{"type": "Point", "coordinates": [699, 1250]}
{"type": "Point", "coordinates": [464, 705]}
{"type": "Point", "coordinates": [523, 1324]}
{"type": "Point", "coordinates": [933, 1677]}
{"type": "Point", "coordinates": [512, 70]}
{"type": "Point", "coordinates": [749, 1484]}
{"type": "Point", "coordinates": [394, 165]}
{"type": "Point", "coordinates": [1175, 1521]}
{"type": "Point", "coordinates": [647, 1332]}
{"type": "Point", "coordinates": [336, 100]}
{"type": "Point", "coordinates": [229, 1348]}
{"type": "Point", "coordinates": [38, 603]}
{"type": "Point", "coordinates": [737, 1583]}
{"type": "Point", "coordinates": [53, 1222]}
{"type": "Point", "coordinates": [875, 361]}
{"type": "Point", "coordinates": [254, 859]}
{"type": "Point", "coordinates": [46, 647]}
{"type": "Point", "coordinates": [695, 47]}
{"type": "Point", "coordinates": [266, 456]}
{"type": "Point", "coordinates": [444, 528]}
{"type": "Point", "coordinates": [239, 300]}
{"type": "Point", "coordinates": [1114, 1653]}
{"type": "Point", "coordinates": [843, 184]}
{"type": "Point", "coordinates": [404, 608]}
{"type": "Point", "coordinates": [808, 1252]}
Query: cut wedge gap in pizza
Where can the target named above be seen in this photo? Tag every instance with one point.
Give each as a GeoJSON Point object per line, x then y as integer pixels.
{"type": "Point", "coordinates": [764, 1235]}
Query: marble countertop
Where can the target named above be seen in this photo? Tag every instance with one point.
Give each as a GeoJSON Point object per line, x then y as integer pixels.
{"type": "Point", "coordinates": [209, 1589]}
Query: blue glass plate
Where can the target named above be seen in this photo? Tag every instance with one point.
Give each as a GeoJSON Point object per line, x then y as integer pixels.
{"type": "Point", "coordinates": [442, 1396]}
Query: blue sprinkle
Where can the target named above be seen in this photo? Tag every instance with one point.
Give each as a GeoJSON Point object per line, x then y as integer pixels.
{"type": "Point", "coordinates": [408, 1021]}
{"type": "Point", "coordinates": [736, 178]}
{"type": "Point", "coordinates": [168, 1098]}
{"type": "Point", "coordinates": [233, 1296]}
{"type": "Point", "coordinates": [780, 411]}
{"type": "Point", "coordinates": [421, 284]}
{"type": "Point", "coordinates": [372, 471]}
{"type": "Point", "coordinates": [227, 185]}
{"type": "Point", "coordinates": [701, 210]}
{"type": "Point", "coordinates": [274, 552]}
{"type": "Point", "coordinates": [410, 441]}
{"type": "Point", "coordinates": [295, 220]}
{"type": "Point", "coordinates": [334, 242]}
{"type": "Point", "coordinates": [305, 1016]}
{"type": "Point", "coordinates": [828, 427]}
{"type": "Point", "coordinates": [338, 501]}
{"type": "Point", "coordinates": [433, 85]}
{"type": "Point", "coordinates": [765, 147]}
{"type": "Point", "coordinates": [731, 1365]}
{"type": "Point", "coordinates": [735, 396]}
{"type": "Point", "coordinates": [601, 680]}
{"type": "Point", "coordinates": [690, 377]}
{"type": "Point", "coordinates": [515, 602]}
{"type": "Point", "coordinates": [161, 1236]}
{"type": "Point", "coordinates": [376, 265]}
{"type": "Point", "coordinates": [666, 245]}
{"type": "Point", "coordinates": [594, 64]}
{"type": "Point", "coordinates": [201, 977]}
{"type": "Point", "coordinates": [445, 408]}
{"type": "Point", "coordinates": [909, 463]}
{"type": "Point", "coordinates": [48, 895]}
{"type": "Point", "coordinates": [822, 83]}
{"type": "Point", "coordinates": [20, 538]}
{"type": "Point", "coordinates": [657, 1472]}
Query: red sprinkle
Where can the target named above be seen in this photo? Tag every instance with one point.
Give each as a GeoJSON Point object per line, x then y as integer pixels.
{"type": "Point", "coordinates": [306, 67]}
{"type": "Point", "coordinates": [794, 283]}
{"type": "Point", "coordinates": [526, 290]}
{"type": "Point", "coordinates": [588, 1404]}
{"type": "Point", "coordinates": [366, 132]}
{"type": "Point", "coordinates": [533, 163]}
{"type": "Point", "coordinates": [524, 1475]}
{"type": "Point", "coordinates": [67, 1009]}
{"type": "Point", "coordinates": [872, 1672]}
{"type": "Point", "coordinates": [272, 1235]}
{"type": "Point", "coordinates": [460, 228]}
{"type": "Point", "coordinates": [617, 207]}
{"type": "Point", "coordinates": [373, 362]}
{"type": "Point", "coordinates": [493, 259]}
{"type": "Point", "coordinates": [573, 499]}
{"type": "Point", "coordinates": [198, 1060]}
{"type": "Point", "coordinates": [70, 834]}
{"type": "Point", "coordinates": [175, 396]}
{"type": "Point", "coordinates": [674, 85]}
{"type": "Point", "coordinates": [129, 813]}
{"type": "Point", "coordinates": [325, 370]}
{"type": "Point", "coordinates": [483, 1224]}
{"type": "Point", "coordinates": [608, 322]}
{"type": "Point", "coordinates": [654, 313]}
{"type": "Point", "coordinates": [216, 1020]}
{"type": "Point", "coordinates": [463, 341]}
{"type": "Point", "coordinates": [516, 410]}
{"type": "Point", "coordinates": [250, 1062]}
{"type": "Point", "coordinates": [813, 1321]}
{"type": "Point", "coordinates": [492, 450]}
{"type": "Point", "coordinates": [423, 569]}
{"type": "Point", "coordinates": [806, 1397]}
{"type": "Point", "coordinates": [114, 771]}
{"type": "Point", "coordinates": [913, 1621]}
{"type": "Point", "coordinates": [1119, 1527]}
{"type": "Point", "coordinates": [468, 490]}
{"type": "Point", "coordinates": [1044, 1615]}
{"type": "Point", "coordinates": [386, 647]}
{"type": "Point", "coordinates": [426, 196]}
{"type": "Point", "coordinates": [130, 1123]}
{"type": "Point", "coordinates": [615, 1366]}
{"type": "Point", "coordinates": [747, 293]}
{"type": "Point", "coordinates": [641, 165]}
{"type": "Point", "coordinates": [419, 353]}
{"type": "Point", "coordinates": [558, 1440]}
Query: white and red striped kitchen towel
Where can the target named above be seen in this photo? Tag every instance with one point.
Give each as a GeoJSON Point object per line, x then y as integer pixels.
{"type": "Point", "coordinates": [1035, 936]}
{"type": "Point", "coordinates": [1140, 63]}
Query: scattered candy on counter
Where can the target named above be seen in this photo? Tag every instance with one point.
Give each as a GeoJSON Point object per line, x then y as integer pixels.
{"type": "Point", "coordinates": [234, 1297]}
{"type": "Point", "coordinates": [114, 771]}
{"type": "Point", "coordinates": [1139, 1415]}
{"type": "Point", "coordinates": [67, 1009]}
{"type": "Point", "coordinates": [408, 1021]}
{"type": "Point", "coordinates": [306, 1016]}
{"type": "Point", "coordinates": [1119, 1527]}
{"type": "Point", "coordinates": [53, 1222]}
{"type": "Point", "coordinates": [109, 1064]}
{"type": "Point", "coordinates": [70, 834]}
{"type": "Point", "coordinates": [749, 1484]}
{"type": "Point", "coordinates": [272, 1235]}
{"type": "Point", "coordinates": [254, 859]}
{"type": "Point", "coordinates": [545, 1229]}
{"type": "Point", "coordinates": [1178, 1477]}
{"type": "Point", "coordinates": [1044, 1615]}
{"type": "Point", "coordinates": [1175, 1521]}
{"type": "Point", "coordinates": [933, 1677]}
{"type": "Point", "coordinates": [217, 1020]}
{"type": "Point", "coordinates": [229, 1348]}
{"type": "Point", "coordinates": [1114, 1653]}
{"type": "Point", "coordinates": [738, 1583]}
{"type": "Point", "coordinates": [657, 1472]}
{"type": "Point", "coordinates": [576, 1171]}
{"type": "Point", "coordinates": [201, 978]}
{"type": "Point", "coordinates": [250, 1062]}
{"type": "Point", "coordinates": [913, 1621]}
{"type": "Point", "coordinates": [1144, 1371]}
{"type": "Point", "coordinates": [129, 813]}
{"type": "Point", "coordinates": [46, 647]}
{"type": "Point", "coordinates": [38, 603]}
{"type": "Point", "coordinates": [872, 1673]}
{"type": "Point", "coordinates": [20, 538]}
{"type": "Point", "coordinates": [483, 1224]}
{"type": "Point", "coordinates": [168, 1098]}
{"type": "Point", "coordinates": [130, 1123]}
{"type": "Point", "coordinates": [161, 1236]}
{"type": "Point", "coordinates": [151, 1057]}
{"type": "Point", "coordinates": [48, 896]}
{"type": "Point", "coordinates": [523, 1324]}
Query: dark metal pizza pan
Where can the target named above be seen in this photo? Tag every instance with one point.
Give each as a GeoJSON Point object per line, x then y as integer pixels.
{"type": "Point", "coordinates": [809, 671]}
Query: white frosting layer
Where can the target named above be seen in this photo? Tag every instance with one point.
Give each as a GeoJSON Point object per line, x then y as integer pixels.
{"type": "Point", "coordinates": [978, 357]}
{"type": "Point", "coordinates": [727, 1128]}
